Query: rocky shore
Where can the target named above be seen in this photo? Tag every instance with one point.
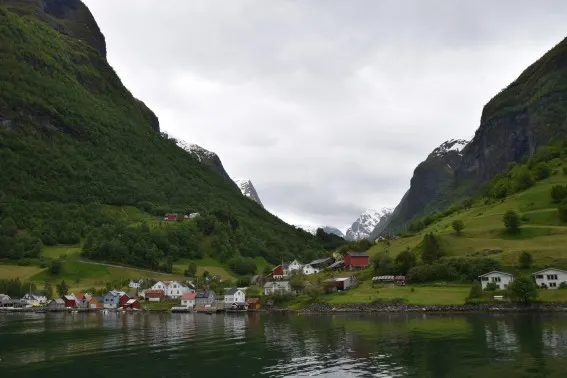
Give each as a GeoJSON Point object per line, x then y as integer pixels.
{"type": "Point", "coordinates": [489, 307]}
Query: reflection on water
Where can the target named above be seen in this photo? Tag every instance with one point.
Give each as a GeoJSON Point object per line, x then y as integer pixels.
{"type": "Point", "coordinates": [261, 345]}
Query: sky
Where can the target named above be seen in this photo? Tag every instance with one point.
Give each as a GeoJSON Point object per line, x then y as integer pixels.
{"type": "Point", "coordinates": [326, 105]}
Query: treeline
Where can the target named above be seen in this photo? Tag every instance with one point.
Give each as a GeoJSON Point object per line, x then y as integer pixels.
{"type": "Point", "coordinates": [420, 224]}
{"type": "Point", "coordinates": [428, 263]}
{"type": "Point", "coordinates": [17, 289]}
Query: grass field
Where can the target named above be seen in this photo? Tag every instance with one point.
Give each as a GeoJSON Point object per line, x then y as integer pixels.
{"type": "Point", "coordinates": [542, 233]}
{"type": "Point", "coordinates": [21, 272]}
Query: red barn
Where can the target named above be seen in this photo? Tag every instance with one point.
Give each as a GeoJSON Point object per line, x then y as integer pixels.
{"type": "Point", "coordinates": [278, 272]}
{"type": "Point", "coordinates": [70, 301]}
{"type": "Point", "coordinates": [125, 298]}
{"type": "Point", "coordinates": [154, 295]}
{"type": "Point", "coordinates": [170, 217]}
{"type": "Point", "coordinates": [356, 260]}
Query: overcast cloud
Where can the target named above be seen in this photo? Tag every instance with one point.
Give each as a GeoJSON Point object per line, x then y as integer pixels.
{"type": "Point", "coordinates": [326, 105]}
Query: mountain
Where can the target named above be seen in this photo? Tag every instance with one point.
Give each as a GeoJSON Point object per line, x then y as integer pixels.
{"type": "Point", "coordinates": [527, 115]}
{"type": "Point", "coordinates": [327, 229]}
{"type": "Point", "coordinates": [82, 160]}
{"type": "Point", "coordinates": [364, 225]}
{"type": "Point", "coordinates": [428, 186]}
{"type": "Point", "coordinates": [204, 156]}
{"type": "Point", "coordinates": [247, 188]}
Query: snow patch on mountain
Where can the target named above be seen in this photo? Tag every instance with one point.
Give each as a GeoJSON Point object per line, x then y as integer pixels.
{"type": "Point", "coordinates": [194, 149]}
{"type": "Point", "coordinates": [455, 145]}
{"type": "Point", "coordinates": [247, 188]}
{"type": "Point", "coordinates": [366, 223]}
{"type": "Point", "coordinates": [328, 229]}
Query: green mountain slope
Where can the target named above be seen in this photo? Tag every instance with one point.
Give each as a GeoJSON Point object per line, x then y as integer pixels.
{"type": "Point", "coordinates": [525, 116]}
{"type": "Point", "coordinates": [72, 138]}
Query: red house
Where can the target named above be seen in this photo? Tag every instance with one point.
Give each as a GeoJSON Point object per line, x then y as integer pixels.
{"type": "Point", "coordinates": [170, 217]}
{"type": "Point", "coordinates": [131, 304]}
{"type": "Point", "coordinates": [70, 301]}
{"type": "Point", "coordinates": [125, 298]}
{"type": "Point", "coordinates": [154, 295]}
{"type": "Point", "coordinates": [277, 272]}
{"type": "Point", "coordinates": [356, 260]}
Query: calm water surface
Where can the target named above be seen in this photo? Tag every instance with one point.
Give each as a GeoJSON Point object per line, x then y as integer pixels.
{"type": "Point", "coordinates": [260, 345]}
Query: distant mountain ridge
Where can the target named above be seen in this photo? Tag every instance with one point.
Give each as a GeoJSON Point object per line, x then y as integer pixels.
{"type": "Point", "coordinates": [206, 157]}
{"type": "Point", "coordinates": [363, 226]}
{"type": "Point", "coordinates": [328, 229]}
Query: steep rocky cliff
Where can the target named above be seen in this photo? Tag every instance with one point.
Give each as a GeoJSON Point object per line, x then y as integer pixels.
{"type": "Point", "coordinates": [206, 157]}
{"type": "Point", "coordinates": [527, 114]}
{"type": "Point", "coordinates": [432, 180]}
{"type": "Point", "coordinates": [248, 190]}
{"type": "Point", "coordinates": [363, 226]}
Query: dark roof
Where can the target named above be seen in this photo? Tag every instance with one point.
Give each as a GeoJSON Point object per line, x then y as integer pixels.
{"type": "Point", "coordinates": [336, 264]}
{"type": "Point", "coordinates": [231, 291]}
{"type": "Point", "coordinates": [357, 254]}
{"type": "Point", "coordinates": [205, 294]}
{"type": "Point", "coordinates": [131, 295]}
{"type": "Point", "coordinates": [320, 261]}
{"type": "Point", "coordinates": [99, 299]}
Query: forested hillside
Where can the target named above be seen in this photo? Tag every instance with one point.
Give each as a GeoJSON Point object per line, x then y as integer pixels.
{"type": "Point", "coordinates": [75, 143]}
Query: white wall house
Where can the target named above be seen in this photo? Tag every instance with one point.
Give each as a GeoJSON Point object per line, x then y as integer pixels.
{"type": "Point", "coordinates": [135, 284]}
{"type": "Point", "coordinates": [234, 296]}
{"type": "Point", "coordinates": [501, 279]}
{"type": "Point", "coordinates": [294, 266]}
{"type": "Point", "coordinates": [188, 300]}
{"type": "Point", "coordinates": [309, 269]}
{"type": "Point", "coordinates": [172, 289]}
{"type": "Point", "coordinates": [277, 287]}
{"type": "Point", "coordinates": [35, 299]}
{"type": "Point", "coordinates": [161, 285]}
{"type": "Point", "coordinates": [550, 278]}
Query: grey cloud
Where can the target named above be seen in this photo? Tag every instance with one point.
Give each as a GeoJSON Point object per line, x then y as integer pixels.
{"type": "Point", "coordinates": [327, 105]}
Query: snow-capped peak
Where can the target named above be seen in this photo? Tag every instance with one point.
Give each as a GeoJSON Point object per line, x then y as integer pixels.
{"type": "Point", "coordinates": [247, 188]}
{"type": "Point", "coordinates": [455, 145]}
{"type": "Point", "coordinates": [194, 149]}
{"type": "Point", "coordinates": [365, 223]}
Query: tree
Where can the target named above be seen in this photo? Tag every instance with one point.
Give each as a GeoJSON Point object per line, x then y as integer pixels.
{"type": "Point", "coordinates": [55, 268]}
{"type": "Point", "coordinates": [191, 270]}
{"type": "Point", "coordinates": [315, 292]}
{"type": "Point", "coordinates": [491, 286]}
{"type": "Point", "coordinates": [297, 283]}
{"type": "Point", "coordinates": [253, 291]}
{"type": "Point", "coordinates": [562, 209]}
{"type": "Point", "coordinates": [511, 221]}
{"type": "Point", "coordinates": [458, 226]}
{"type": "Point", "coordinates": [431, 249]}
{"type": "Point", "coordinates": [267, 270]}
{"type": "Point", "coordinates": [62, 288]}
{"type": "Point", "coordinates": [558, 193]}
{"type": "Point", "coordinates": [525, 260]}
{"type": "Point", "coordinates": [523, 290]}
{"type": "Point", "coordinates": [476, 290]}
{"type": "Point", "coordinates": [405, 261]}
{"type": "Point", "coordinates": [48, 290]}
{"type": "Point", "coordinates": [542, 171]}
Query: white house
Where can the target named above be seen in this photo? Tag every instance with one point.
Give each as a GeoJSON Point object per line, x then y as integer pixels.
{"type": "Point", "coordinates": [176, 290]}
{"type": "Point", "coordinates": [161, 285]}
{"type": "Point", "coordinates": [550, 278]}
{"type": "Point", "coordinates": [188, 300]}
{"type": "Point", "coordinates": [501, 279]}
{"type": "Point", "coordinates": [4, 297]}
{"type": "Point", "coordinates": [135, 284]}
{"type": "Point", "coordinates": [234, 296]}
{"type": "Point", "coordinates": [35, 299]}
{"type": "Point", "coordinates": [309, 269]}
{"type": "Point", "coordinates": [277, 287]}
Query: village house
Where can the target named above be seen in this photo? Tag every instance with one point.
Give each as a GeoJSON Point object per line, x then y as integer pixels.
{"type": "Point", "coordinates": [35, 299]}
{"type": "Point", "coordinates": [500, 279]}
{"type": "Point", "coordinates": [194, 215]}
{"type": "Point", "coordinates": [309, 269]}
{"type": "Point", "coordinates": [337, 265]}
{"type": "Point", "coordinates": [154, 295]}
{"type": "Point", "coordinates": [96, 302]}
{"type": "Point", "coordinates": [234, 295]}
{"type": "Point", "coordinates": [124, 298]}
{"type": "Point", "coordinates": [70, 301]}
{"type": "Point", "coordinates": [161, 285]}
{"type": "Point", "coordinates": [131, 304]}
{"type": "Point", "coordinates": [135, 284]}
{"type": "Point", "coordinates": [342, 283]}
{"type": "Point", "coordinates": [188, 300]}
{"type": "Point", "coordinates": [253, 303]}
{"type": "Point", "coordinates": [112, 299]}
{"type": "Point", "coordinates": [356, 260]}
{"type": "Point", "coordinates": [277, 288]}
{"type": "Point", "coordinates": [322, 263]}
{"type": "Point", "coordinates": [56, 304]}
{"type": "Point", "coordinates": [176, 290]}
{"type": "Point", "coordinates": [13, 303]}
{"type": "Point", "coordinates": [4, 297]}
{"type": "Point", "coordinates": [205, 298]}
{"type": "Point", "coordinates": [285, 270]}
{"type": "Point", "coordinates": [550, 278]}
{"type": "Point", "coordinates": [82, 300]}
{"type": "Point", "coordinates": [170, 217]}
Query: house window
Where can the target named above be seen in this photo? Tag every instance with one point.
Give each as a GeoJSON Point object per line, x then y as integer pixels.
{"type": "Point", "coordinates": [484, 278]}
{"type": "Point", "coordinates": [497, 287]}
{"type": "Point", "coordinates": [552, 277]}
{"type": "Point", "coordinates": [496, 279]}
{"type": "Point", "coordinates": [539, 276]}
{"type": "Point", "coordinates": [553, 284]}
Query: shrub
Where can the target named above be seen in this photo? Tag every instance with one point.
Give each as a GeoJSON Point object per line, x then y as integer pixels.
{"type": "Point", "coordinates": [542, 171]}
{"type": "Point", "coordinates": [562, 209]}
{"type": "Point", "coordinates": [55, 268]}
{"type": "Point", "coordinates": [458, 226]}
{"type": "Point", "coordinates": [525, 260]}
{"type": "Point", "coordinates": [491, 286]}
{"type": "Point", "coordinates": [511, 221]}
{"type": "Point", "coordinates": [242, 265]}
{"type": "Point", "coordinates": [476, 290]}
{"type": "Point", "coordinates": [558, 193]}
{"type": "Point", "coordinates": [563, 285]}
{"type": "Point", "coordinates": [523, 290]}
{"type": "Point", "coordinates": [565, 170]}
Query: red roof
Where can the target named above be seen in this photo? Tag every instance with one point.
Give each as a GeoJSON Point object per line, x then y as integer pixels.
{"type": "Point", "coordinates": [79, 296]}
{"type": "Point", "coordinates": [252, 300]}
{"type": "Point", "coordinates": [154, 293]}
{"type": "Point", "coordinates": [187, 296]}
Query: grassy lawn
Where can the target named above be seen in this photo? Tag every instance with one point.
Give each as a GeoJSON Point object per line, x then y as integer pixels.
{"type": "Point", "coordinates": [553, 295]}
{"type": "Point", "coordinates": [54, 252]}
{"type": "Point", "coordinates": [21, 272]}
{"type": "Point", "coordinates": [214, 267]}
{"type": "Point", "coordinates": [164, 305]}
{"type": "Point", "coordinates": [421, 295]}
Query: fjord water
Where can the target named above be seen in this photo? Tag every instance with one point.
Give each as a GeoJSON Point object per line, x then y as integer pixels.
{"type": "Point", "coordinates": [263, 345]}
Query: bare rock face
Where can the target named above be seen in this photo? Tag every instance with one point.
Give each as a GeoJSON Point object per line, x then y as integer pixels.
{"type": "Point", "coordinates": [363, 226]}
{"type": "Point", "coordinates": [248, 190]}
{"type": "Point", "coordinates": [69, 17]}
